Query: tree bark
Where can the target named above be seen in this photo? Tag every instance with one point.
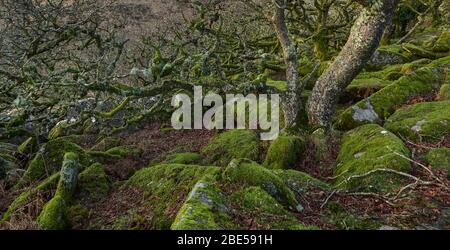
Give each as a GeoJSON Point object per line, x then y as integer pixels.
{"type": "Point", "coordinates": [291, 100]}
{"type": "Point", "coordinates": [364, 39]}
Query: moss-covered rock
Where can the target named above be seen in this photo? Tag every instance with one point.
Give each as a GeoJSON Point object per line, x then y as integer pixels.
{"type": "Point", "coordinates": [300, 182]}
{"type": "Point", "coordinates": [444, 93]}
{"type": "Point", "coordinates": [389, 73]}
{"type": "Point", "coordinates": [49, 160]}
{"type": "Point", "coordinates": [26, 196]}
{"type": "Point", "coordinates": [379, 106]}
{"type": "Point", "coordinates": [285, 152]}
{"type": "Point", "coordinates": [368, 148]}
{"type": "Point", "coordinates": [439, 158]}
{"type": "Point", "coordinates": [125, 151]}
{"type": "Point", "coordinates": [363, 88]}
{"type": "Point", "coordinates": [93, 182]}
{"type": "Point", "coordinates": [419, 52]}
{"type": "Point", "coordinates": [106, 144]}
{"type": "Point", "coordinates": [428, 121]}
{"type": "Point", "coordinates": [69, 176]}
{"type": "Point", "coordinates": [184, 158]}
{"type": "Point", "coordinates": [165, 187]}
{"type": "Point", "coordinates": [411, 67]}
{"type": "Point", "coordinates": [266, 211]}
{"type": "Point", "coordinates": [233, 144]}
{"type": "Point", "coordinates": [388, 55]}
{"type": "Point", "coordinates": [248, 173]}
{"type": "Point", "coordinates": [443, 42]}
{"type": "Point", "coordinates": [53, 215]}
{"type": "Point", "coordinates": [204, 208]}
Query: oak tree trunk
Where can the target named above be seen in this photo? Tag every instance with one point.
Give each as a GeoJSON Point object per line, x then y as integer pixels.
{"type": "Point", "coordinates": [364, 39]}
{"type": "Point", "coordinates": [291, 100]}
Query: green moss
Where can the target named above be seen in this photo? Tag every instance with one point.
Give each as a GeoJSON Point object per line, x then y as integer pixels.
{"type": "Point", "coordinates": [106, 144]}
{"type": "Point", "coordinates": [26, 146]}
{"type": "Point", "coordinates": [93, 182]}
{"type": "Point", "coordinates": [361, 88]}
{"type": "Point", "coordinates": [419, 51]}
{"type": "Point", "coordinates": [379, 106]}
{"type": "Point", "coordinates": [428, 121]}
{"type": "Point", "coordinates": [408, 68]}
{"type": "Point", "coordinates": [165, 188]}
{"type": "Point", "coordinates": [125, 151]}
{"type": "Point", "coordinates": [368, 148]}
{"type": "Point", "coordinates": [76, 215]}
{"type": "Point", "coordinates": [384, 74]}
{"type": "Point", "coordinates": [443, 42]}
{"type": "Point", "coordinates": [49, 160]}
{"type": "Point", "coordinates": [247, 173]}
{"type": "Point", "coordinates": [439, 158]}
{"type": "Point", "coordinates": [266, 211]}
{"type": "Point", "coordinates": [53, 215]}
{"type": "Point", "coordinates": [232, 144]}
{"type": "Point", "coordinates": [184, 158]}
{"type": "Point", "coordinates": [68, 177]}
{"type": "Point", "coordinates": [444, 92]}
{"type": "Point", "coordinates": [279, 85]}
{"type": "Point", "coordinates": [204, 209]}
{"type": "Point", "coordinates": [300, 182]}
{"type": "Point", "coordinates": [24, 197]}
{"type": "Point", "coordinates": [285, 152]}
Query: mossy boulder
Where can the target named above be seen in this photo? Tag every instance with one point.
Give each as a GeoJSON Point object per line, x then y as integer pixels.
{"type": "Point", "coordinates": [427, 121]}
{"type": "Point", "coordinates": [165, 188]}
{"type": "Point", "coordinates": [382, 104]}
{"type": "Point", "coordinates": [363, 88]}
{"type": "Point", "coordinates": [411, 67]}
{"type": "Point", "coordinates": [248, 173]}
{"type": "Point", "coordinates": [419, 52]}
{"type": "Point", "coordinates": [439, 158]}
{"type": "Point", "coordinates": [389, 73]}
{"type": "Point", "coordinates": [266, 211]}
{"type": "Point", "coordinates": [204, 208]}
{"type": "Point", "coordinates": [366, 149]}
{"type": "Point", "coordinates": [68, 177]}
{"type": "Point", "coordinates": [93, 182]}
{"type": "Point", "coordinates": [444, 93]}
{"type": "Point", "coordinates": [388, 55]}
{"type": "Point", "coordinates": [49, 160]}
{"type": "Point", "coordinates": [442, 44]}
{"type": "Point", "coordinates": [210, 207]}
{"type": "Point", "coordinates": [184, 158]}
{"type": "Point", "coordinates": [300, 182]}
{"type": "Point", "coordinates": [53, 215]}
{"type": "Point", "coordinates": [285, 152]}
{"type": "Point", "coordinates": [233, 144]}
